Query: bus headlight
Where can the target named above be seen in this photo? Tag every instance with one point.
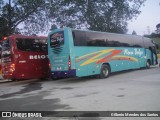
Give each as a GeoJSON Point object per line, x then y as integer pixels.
{"type": "Point", "coordinates": [12, 67]}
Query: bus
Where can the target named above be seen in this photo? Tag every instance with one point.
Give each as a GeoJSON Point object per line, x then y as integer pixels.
{"type": "Point", "coordinates": [84, 53]}
{"type": "Point", "coordinates": [24, 57]}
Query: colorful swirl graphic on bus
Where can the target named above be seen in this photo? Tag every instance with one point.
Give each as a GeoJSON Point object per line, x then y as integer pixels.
{"type": "Point", "coordinates": [110, 55]}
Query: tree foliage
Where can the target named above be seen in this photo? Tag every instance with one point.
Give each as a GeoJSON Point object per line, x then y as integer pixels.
{"type": "Point", "coordinates": [102, 15]}
{"type": "Point", "coordinates": [21, 11]}
{"type": "Point", "coordinates": [134, 33]}
{"type": "Point", "coordinates": [158, 28]}
{"type": "Point", "coordinates": [38, 15]}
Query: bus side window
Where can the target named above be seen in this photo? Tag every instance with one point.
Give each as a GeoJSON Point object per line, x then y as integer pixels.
{"type": "Point", "coordinates": [44, 47]}
{"type": "Point", "coordinates": [79, 38]}
{"type": "Point", "coordinates": [19, 44]}
{"type": "Point", "coordinates": [28, 46]}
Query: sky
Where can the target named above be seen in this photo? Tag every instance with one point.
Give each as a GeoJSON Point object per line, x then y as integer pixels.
{"type": "Point", "coordinates": [147, 20]}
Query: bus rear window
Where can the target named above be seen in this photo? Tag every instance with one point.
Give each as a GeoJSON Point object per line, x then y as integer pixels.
{"type": "Point", "coordinates": [57, 39]}
{"type": "Point", "coordinates": [32, 45]}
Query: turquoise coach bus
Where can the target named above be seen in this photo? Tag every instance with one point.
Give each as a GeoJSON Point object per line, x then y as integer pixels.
{"type": "Point", "coordinates": [83, 53]}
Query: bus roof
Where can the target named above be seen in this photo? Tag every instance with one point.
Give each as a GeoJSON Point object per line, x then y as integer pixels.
{"type": "Point", "coordinates": [107, 32]}
{"type": "Point", "coordinates": [129, 35]}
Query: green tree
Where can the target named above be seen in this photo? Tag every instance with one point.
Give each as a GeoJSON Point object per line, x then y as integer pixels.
{"type": "Point", "coordinates": [134, 33]}
{"type": "Point", "coordinates": [21, 11]}
{"type": "Point", "coordinates": [100, 15]}
{"type": "Point", "coordinates": [38, 15]}
{"type": "Point", "coordinates": [3, 27]}
{"type": "Point", "coordinates": [158, 28]}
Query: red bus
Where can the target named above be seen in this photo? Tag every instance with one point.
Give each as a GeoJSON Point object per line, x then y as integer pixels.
{"type": "Point", "coordinates": [24, 57]}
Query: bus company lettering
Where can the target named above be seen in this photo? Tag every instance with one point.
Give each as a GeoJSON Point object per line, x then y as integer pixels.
{"type": "Point", "coordinates": [37, 56]}
{"type": "Point", "coordinates": [134, 52]}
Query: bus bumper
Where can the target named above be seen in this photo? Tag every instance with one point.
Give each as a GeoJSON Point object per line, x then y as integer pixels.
{"type": "Point", "coordinates": [69, 73]}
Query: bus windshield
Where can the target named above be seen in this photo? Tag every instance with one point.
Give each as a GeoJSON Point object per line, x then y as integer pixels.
{"type": "Point", "coordinates": [6, 44]}
{"type": "Point", "coordinates": [32, 45]}
{"type": "Point", "coordinates": [57, 39]}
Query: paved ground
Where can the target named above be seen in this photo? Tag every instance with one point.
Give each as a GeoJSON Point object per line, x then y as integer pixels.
{"type": "Point", "coordinates": [136, 90]}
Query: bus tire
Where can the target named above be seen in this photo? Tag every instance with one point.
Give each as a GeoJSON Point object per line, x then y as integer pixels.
{"type": "Point", "coordinates": [148, 64]}
{"type": "Point", "coordinates": [13, 79]}
{"type": "Point", "coordinates": [54, 78]}
{"type": "Point", "coordinates": [44, 78]}
{"type": "Point", "coordinates": [105, 71]}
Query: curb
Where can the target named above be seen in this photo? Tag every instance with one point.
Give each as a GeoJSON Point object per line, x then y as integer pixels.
{"type": "Point", "coordinates": [4, 80]}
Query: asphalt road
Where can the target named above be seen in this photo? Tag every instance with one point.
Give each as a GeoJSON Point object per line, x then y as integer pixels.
{"type": "Point", "coordinates": [134, 90]}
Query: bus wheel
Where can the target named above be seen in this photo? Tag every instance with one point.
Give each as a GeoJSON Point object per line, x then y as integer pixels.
{"type": "Point", "coordinates": [105, 71]}
{"type": "Point", "coordinates": [13, 79]}
{"type": "Point", "coordinates": [54, 78]}
{"type": "Point", "coordinates": [44, 78]}
{"type": "Point", "coordinates": [147, 64]}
